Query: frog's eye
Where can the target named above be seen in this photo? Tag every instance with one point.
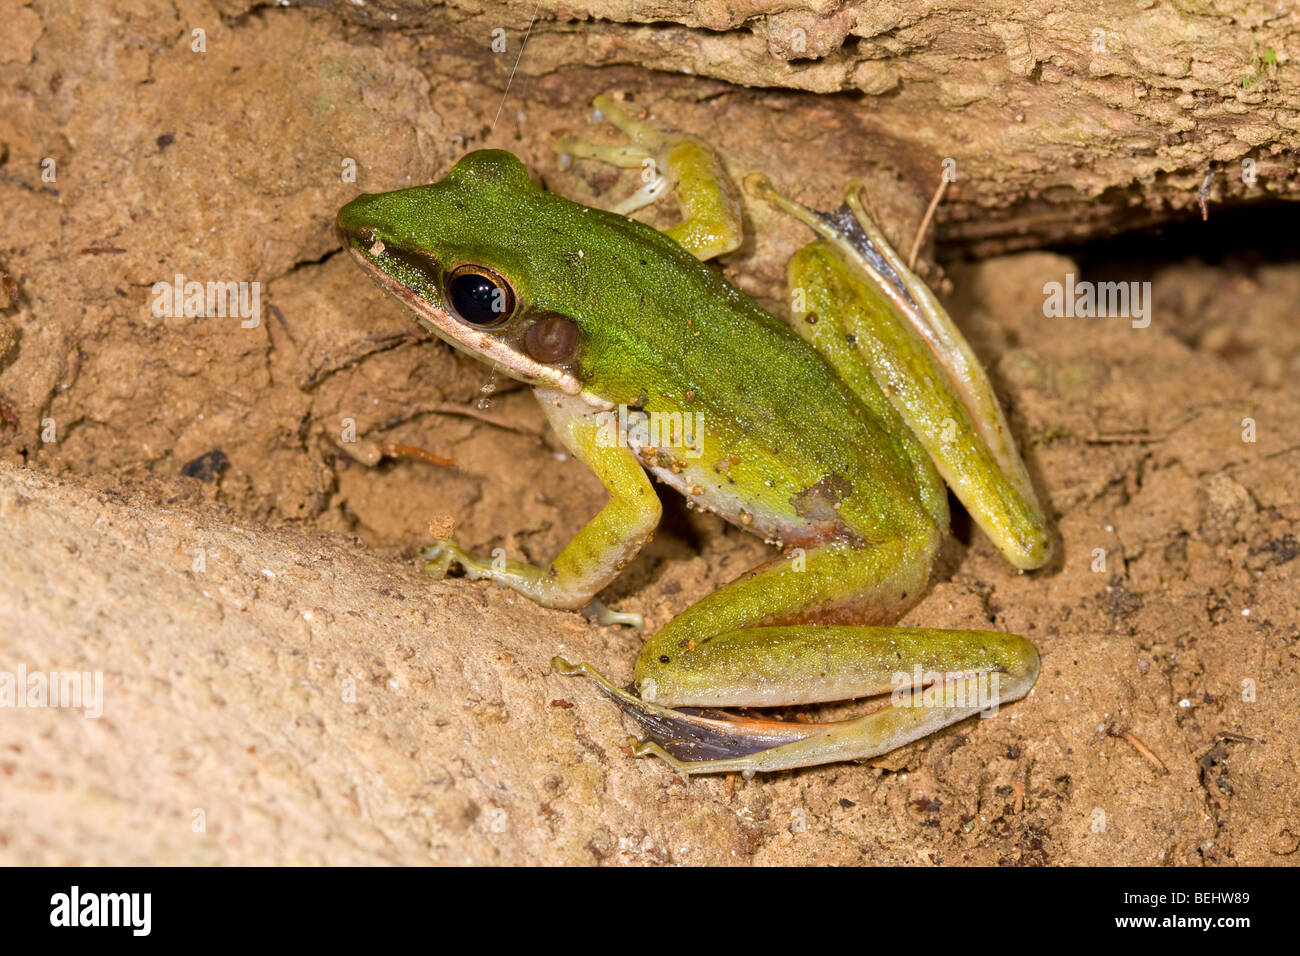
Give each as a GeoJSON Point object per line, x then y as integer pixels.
{"type": "Point", "coordinates": [480, 296]}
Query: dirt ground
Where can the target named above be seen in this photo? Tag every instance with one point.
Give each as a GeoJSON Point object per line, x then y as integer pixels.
{"type": "Point", "coordinates": [1166, 457]}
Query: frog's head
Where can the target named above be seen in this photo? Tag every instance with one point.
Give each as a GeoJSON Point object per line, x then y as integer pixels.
{"type": "Point", "coordinates": [470, 255]}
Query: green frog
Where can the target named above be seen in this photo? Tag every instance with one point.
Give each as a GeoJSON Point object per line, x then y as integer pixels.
{"type": "Point", "coordinates": [831, 436]}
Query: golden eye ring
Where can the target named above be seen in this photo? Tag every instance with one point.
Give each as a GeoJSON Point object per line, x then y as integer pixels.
{"type": "Point", "coordinates": [480, 296]}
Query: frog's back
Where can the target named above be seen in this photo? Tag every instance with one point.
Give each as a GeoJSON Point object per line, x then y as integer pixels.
{"type": "Point", "coordinates": [788, 450]}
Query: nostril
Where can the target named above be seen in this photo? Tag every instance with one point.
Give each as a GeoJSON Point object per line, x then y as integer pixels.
{"type": "Point", "coordinates": [365, 236]}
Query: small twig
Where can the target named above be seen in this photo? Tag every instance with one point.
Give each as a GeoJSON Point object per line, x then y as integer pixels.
{"type": "Point", "coordinates": [1234, 738]}
{"type": "Point", "coordinates": [1142, 748]}
{"type": "Point", "coordinates": [371, 453]}
{"type": "Point", "coordinates": [515, 68]}
{"type": "Point", "coordinates": [1203, 194]}
{"type": "Point", "coordinates": [1123, 438]}
{"type": "Point", "coordinates": [469, 411]}
{"type": "Point", "coordinates": [390, 450]}
{"type": "Point", "coordinates": [925, 221]}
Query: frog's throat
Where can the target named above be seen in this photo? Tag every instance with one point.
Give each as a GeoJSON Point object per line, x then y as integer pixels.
{"type": "Point", "coordinates": [479, 343]}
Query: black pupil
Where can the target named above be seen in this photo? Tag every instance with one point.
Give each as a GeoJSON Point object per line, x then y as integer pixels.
{"type": "Point", "coordinates": [477, 299]}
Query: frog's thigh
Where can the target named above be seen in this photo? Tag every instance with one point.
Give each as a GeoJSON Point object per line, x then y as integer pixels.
{"type": "Point", "coordinates": [961, 673]}
{"type": "Point", "coordinates": [935, 679]}
{"type": "Point", "coordinates": [724, 651]}
{"type": "Point", "coordinates": [860, 332]}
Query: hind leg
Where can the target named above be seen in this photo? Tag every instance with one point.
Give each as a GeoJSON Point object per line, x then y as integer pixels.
{"type": "Point", "coordinates": [885, 333]}
{"type": "Point", "coordinates": [749, 644]}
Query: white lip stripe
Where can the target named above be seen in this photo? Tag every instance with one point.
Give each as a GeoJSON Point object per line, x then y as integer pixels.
{"type": "Point", "coordinates": [479, 343]}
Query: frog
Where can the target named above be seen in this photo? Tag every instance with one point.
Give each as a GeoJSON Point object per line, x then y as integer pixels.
{"type": "Point", "coordinates": [834, 436]}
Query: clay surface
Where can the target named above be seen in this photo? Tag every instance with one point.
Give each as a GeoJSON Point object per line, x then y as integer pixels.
{"type": "Point", "coordinates": [180, 510]}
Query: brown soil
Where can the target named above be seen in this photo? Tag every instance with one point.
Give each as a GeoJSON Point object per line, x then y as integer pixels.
{"type": "Point", "coordinates": [1168, 622]}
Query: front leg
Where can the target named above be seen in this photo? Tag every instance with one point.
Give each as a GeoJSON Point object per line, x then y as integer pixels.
{"type": "Point", "coordinates": [603, 547]}
{"type": "Point", "coordinates": [711, 219]}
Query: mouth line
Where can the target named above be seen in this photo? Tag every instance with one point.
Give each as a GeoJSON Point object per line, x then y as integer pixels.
{"type": "Point", "coordinates": [478, 343]}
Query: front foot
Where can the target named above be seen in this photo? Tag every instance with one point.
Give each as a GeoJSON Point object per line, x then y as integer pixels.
{"type": "Point", "coordinates": [605, 615]}
{"type": "Point", "coordinates": [529, 580]}
{"type": "Point", "coordinates": [712, 223]}
{"type": "Point", "coordinates": [536, 584]}
{"type": "Point", "coordinates": [441, 555]}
